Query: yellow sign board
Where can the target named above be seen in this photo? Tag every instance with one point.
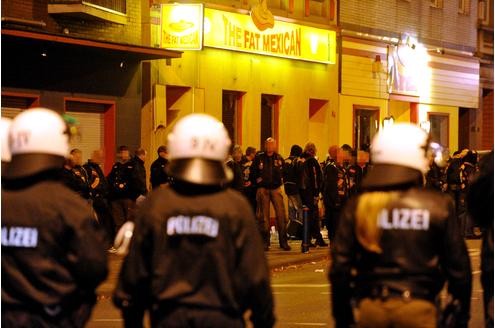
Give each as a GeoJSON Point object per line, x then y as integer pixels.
{"type": "Point", "coordinates": [182, 26]}
{"type": "Point", "coordinates": [238, 32]}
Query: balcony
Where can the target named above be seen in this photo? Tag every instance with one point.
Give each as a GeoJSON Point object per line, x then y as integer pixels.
{"type": "Point", "coordinates": [109, 10]}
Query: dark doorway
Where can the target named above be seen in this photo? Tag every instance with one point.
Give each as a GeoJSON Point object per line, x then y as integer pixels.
{"type": "Point", "coordinates": [269, 117]}
{"type": "Point", "coordinates": [464, 124]}
{"type": "Point", "coordinates": [366, 124]}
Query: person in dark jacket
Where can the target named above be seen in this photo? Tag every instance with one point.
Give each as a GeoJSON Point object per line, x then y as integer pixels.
{"type": "Point", "coordinates": [335, 189]}
{"type": "Point", "coordinates": [196, 258]}
{"type": "Point", "coordinates": [291, 188]}
{"type": "Point", "coordinates": [354, 173]}
{"type": "Point", "coordinates": [99, 190]}
{"type": "Point", "coordinates": [158, 170]}
{"type": "Point", "coordinates": [137, 186]}
{"type": "Point", "coordinates": [121, 201]}
{"type": "Point", "coordinates": [249, 189]}
{"type": "Point", "coordinates": [397, 244]}
{"type": "Point", "coordinates": [234, 163]}
{"type": "Point", "coordinates": [309, 190]}
{"type": "Point", "coordinates": [266, 173]}
{"type": "Point", "coordinates": [74, 176]}
{"type": "Point", "coordinates": [52, 253]}
{"type": "Point", "coordinates": [480, 206]}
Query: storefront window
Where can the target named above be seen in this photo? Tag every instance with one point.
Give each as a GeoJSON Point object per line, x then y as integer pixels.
{"type": "Point", "coordinates": [366, 123]}
{"type": "Point", "coordinates": [232, 114]}
{"type": "Point", "coordinates": [269, 117]}
{"type": "Point", "coordinates": [439, 128]}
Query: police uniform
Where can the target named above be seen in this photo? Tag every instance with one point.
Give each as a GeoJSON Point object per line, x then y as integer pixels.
{"type": "Point", "coordinates": [121, 197]}
{"type": "Point", "coordinates": [266, 172]}
{"type": "Point", "coordinates": [422, 248]}
{"type": "Point", "coordinates": [51, 261]}
{"type": "Point", "coordinates": [420, 245]}
{"type": "Point", "coordinates": [196, 258]}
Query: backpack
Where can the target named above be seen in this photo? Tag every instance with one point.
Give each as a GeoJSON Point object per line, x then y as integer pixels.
{"type": "Point", "coordinates": [454, 171]}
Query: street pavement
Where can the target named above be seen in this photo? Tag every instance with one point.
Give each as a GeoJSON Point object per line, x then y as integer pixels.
{"type": "Point", "coordinates": [300, 287]}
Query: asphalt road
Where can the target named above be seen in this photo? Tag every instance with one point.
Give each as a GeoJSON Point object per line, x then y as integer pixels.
{"type": "Point", "coordinates": [302, 294]}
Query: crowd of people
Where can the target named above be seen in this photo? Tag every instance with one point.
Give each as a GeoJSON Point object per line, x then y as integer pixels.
{"type": "Point", "coordinates": [196, 258]}
{"type": "Point", "coordinates": [114, 197]}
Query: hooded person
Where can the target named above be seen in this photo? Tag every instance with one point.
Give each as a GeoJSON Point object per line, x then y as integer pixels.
{"type": "Point", "coordinates": [195, 254]}
{"type": "Point", "coordinates": [397, 244]}
{"type": "Point", "coordinates": [50, 265]}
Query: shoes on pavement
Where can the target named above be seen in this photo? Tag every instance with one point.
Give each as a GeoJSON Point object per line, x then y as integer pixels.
{"type": "Point", "coordinates": [285, 247]}
{"type": "Point", "coordinates": [321, 243]}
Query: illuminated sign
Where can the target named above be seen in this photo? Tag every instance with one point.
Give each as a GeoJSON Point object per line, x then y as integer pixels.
{"type": "Point", "coordinates": [238, 32]}
{"type": "Point", "coordinates": [182, 26]}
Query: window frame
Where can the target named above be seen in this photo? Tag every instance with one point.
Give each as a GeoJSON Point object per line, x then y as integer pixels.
{"type": "Point", "coordinates": [355, 109]}
{"type": "Point", "coordinates": [436, 4]}
{"type": "Point", "coordinates": [444, 115]}
{"type": "Point", "coordinates": [464, 7]}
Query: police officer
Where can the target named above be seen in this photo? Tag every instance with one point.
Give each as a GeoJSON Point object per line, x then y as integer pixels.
{"type": "Point", "coordinates": [397, 244]}
{"type": "Point", "coordinates": [266, 173]}
{"type": "Point", "coordinates": [158, 170]}
{"type": "Point", "coordinates": [51, 259]}
{"type": "Point", "coordinates": [196, 258]}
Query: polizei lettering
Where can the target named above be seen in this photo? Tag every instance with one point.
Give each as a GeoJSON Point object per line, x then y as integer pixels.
{"type": "Point", "coordinates": [404, 219]}
{"type": "Point", "coordinates": [196, 225]}
{"type": "Point", "coordinates": [22, 237]}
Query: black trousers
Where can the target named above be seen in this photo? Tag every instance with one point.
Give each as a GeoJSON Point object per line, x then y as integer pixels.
{"type": "Point", "coordinates": [332, 221]}
{"type": "Point", "coordinates": [194, 318]}
{"type": "Point", "coordinates": [28, 318]}
{"type": "Point", "coordinates": [122, 211]}
{"type": "Point", "coordinates": [104, 214]}
{"type": "Point", "coordinates": [308, 200]}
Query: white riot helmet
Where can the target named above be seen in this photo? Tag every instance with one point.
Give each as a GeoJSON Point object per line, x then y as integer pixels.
{"type": "Point", "coordinates": [39, 141]}
{"type": "Point", "coordinates": [198, 147]}
{"type": "Point", "coordinates": [4, 134]}
{"type": "Point", "coordinates": [400, 155]}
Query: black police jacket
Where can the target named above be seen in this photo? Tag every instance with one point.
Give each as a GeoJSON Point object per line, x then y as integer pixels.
{"type": "Point", "coordinates": [266, 171]}
{"type": "Point", "coordinates": [50, 253]}
{"type": "Point", "coordinates": [158, 174]}
{"type": "Point", "coordinates": [199, 250]}
{"type": "Point", "coordinates": [119, 180]}
{"type": "Point", "coordinates": [422, 248]}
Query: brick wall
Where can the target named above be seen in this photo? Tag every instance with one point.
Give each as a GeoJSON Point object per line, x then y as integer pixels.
{"type": "Point", "coordinates": [87, 28]}
{"type": "Point", "coordinates": [431, 25]}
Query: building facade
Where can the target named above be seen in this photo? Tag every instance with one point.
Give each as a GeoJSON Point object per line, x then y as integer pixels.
{"type": "Point", "coordinates": [83, 58]}
{"type": "Point", "coordinates": [257, 89]}
{"type": "Point", "coordinates": [413, 61]}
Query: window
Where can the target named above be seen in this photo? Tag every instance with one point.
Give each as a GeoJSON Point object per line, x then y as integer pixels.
{"type": "Point", "coordinates": [232, 114]}
{"type": "Point", "coordinates": [366, 123]}
{"type": "Point", "coordinates": [320, 8]}
{"type": "Point", "coordinates": [485, 13]}
{"type": "Point", "coordinates": [439, 128]}
{"type": "Point", "coordinates": [436, 3]}
{"type": "Point", "coordinates": [464, 7]}
{"type": "Point", "coordinates": [269, 117]}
